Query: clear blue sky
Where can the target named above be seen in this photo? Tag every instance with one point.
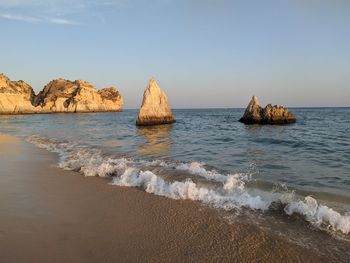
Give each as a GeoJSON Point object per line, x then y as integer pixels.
{"type": "Point", "coordinates": [204, 53]}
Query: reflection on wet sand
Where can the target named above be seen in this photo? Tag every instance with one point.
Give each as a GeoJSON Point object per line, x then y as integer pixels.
{"type": "Point", "coordinates": [8, 145]}
{"type": "Point", "coordinates": [157, 140]}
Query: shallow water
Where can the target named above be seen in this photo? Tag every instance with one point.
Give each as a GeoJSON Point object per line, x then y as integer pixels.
{"type": "Point", "coordinates": [208, 156]}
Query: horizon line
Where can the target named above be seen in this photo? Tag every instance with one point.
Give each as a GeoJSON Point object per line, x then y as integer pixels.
{"type": "Point", "coordinates": [222, 108]}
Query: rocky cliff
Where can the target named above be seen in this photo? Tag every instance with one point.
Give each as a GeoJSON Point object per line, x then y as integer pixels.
{"type": "Point", "coordinates": [77, 96]}
{"type": "Point", "coordinates": [15, 96]}
{"type": "Point", "coordinates": [255, 114]}
{"type": "Point", "coordinates": [57, 96]}
{"type": "Point", "coordinates": [155, 108]}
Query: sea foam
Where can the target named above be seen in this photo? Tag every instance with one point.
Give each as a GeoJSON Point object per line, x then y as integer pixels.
{"type": "Point", "coordinates": [319, 215]}
{"type": "Point", "coordinates": [230, 194]}
{"type": "Point", "coordinates": [229, 197]}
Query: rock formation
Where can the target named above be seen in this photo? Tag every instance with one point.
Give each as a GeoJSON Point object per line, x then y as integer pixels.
{"type": "Point", "coordinates": [15, 96]}
{"type": "Point", "coordinates": [277, 115]}
{"type": "Point", "coordinates": [77, 96]}
{"type": "Point", "coordinates": [255, 114]}
{"type": "Point", "coordinates": [57, 96]}
{"type": "Point", "coordinates": [155, 107]}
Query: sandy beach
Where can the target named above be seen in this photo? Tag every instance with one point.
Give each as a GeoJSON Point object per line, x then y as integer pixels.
{"type": "Point", "coordinates": [174, 131]}
{"type": "Point", "coordinates": [52, 215]}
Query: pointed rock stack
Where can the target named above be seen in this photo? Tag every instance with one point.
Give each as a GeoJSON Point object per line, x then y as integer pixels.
{"type": "Point", "coordinates": [255, 114]}
{"type": "Point", "coordinates": [155, 108]}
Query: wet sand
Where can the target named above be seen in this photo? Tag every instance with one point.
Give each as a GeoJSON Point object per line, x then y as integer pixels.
{"type": "Point", "coordinates": [51, 215]}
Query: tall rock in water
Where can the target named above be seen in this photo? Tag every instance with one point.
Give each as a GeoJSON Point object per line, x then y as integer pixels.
{"type": "Point", "coordinates": [77, 96]}
{"type": "Point", "coordinates": [155, 107]}
{"type": "Point", "coordinates": [255, 114]}
{"type": "Point", "coordinates": [16, 97]}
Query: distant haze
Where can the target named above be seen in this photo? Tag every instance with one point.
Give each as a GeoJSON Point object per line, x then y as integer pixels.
{"type": "Point", "coordinates": [208, 53]}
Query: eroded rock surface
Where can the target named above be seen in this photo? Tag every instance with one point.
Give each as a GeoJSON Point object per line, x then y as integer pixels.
{"type": "Point", "coordinates": [59, 95]}
{"type": "Point", "coordinates": [255, 114]}
{"type": "Point", "coordinates": [155, 108]}
{"type": "Point", "coordinates": [277, 115]}
{"type": "Point", "coordinates": [77, 96]}
{"type": "Point", "coordinates": [15, 96]}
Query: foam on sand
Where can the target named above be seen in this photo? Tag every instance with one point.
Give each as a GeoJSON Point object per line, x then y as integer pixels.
{"type": "Point", "coordinates": [229, 197]}
{"type": "Point", "coordinates": [231, 192]}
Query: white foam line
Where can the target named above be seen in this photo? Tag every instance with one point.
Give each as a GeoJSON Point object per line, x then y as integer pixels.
{"type": "Point", "coordinates": [231, 195]}
{"type": "Point", "coordinates": [319, 215]}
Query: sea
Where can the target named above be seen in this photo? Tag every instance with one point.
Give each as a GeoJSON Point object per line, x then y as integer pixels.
{"type": "Point", "coordinates": [293, 176]}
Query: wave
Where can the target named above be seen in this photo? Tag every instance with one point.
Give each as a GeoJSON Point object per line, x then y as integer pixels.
{"type": "Point", "coordinates": [80, 158]}
{"type": "Point", "coordinates": [231, 192]}
{"type": "Point", "coordinates": [319, 215]}
{"type": "Point", "coordinates": [229, 198]}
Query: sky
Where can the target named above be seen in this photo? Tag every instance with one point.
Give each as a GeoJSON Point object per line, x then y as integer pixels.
{"type": "Point", "coordinates": [203, 53]}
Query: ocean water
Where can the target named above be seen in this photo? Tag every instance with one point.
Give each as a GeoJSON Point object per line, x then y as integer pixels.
{"type": "Point", "coordinates": [302, 169]}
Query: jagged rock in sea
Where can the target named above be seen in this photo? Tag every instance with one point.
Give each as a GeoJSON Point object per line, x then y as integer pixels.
{"type": "Point", "coordinates": [255, 114]}
{"type": "Point", "coordinates": [77, 96]}
{"type": "Point", "coordinates": [277, 115]}
{"type": "Point", "coordinates": [155, 108]}
{"type": "Point", "coordinates": [17, 97]}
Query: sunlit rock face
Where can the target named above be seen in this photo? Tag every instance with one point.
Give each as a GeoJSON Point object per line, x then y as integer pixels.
{"type": "Point", "coordinates": [77, 96]}
{"type": "Point", "coordinates": [277, 115]}
{"type": "Point", "coordinates": [16, 97]}
{"type": "Point", "coordinates": [111, 98]}
{"type": "Point", "coordinates": [255, 114]}
{"type": "Point", "coordinates": [155, 108]}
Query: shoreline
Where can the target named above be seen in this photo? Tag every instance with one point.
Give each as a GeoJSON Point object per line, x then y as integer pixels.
{"type": "Point", "coordinates": [58, 112]}
{"type": "Point", "coordinates": [49, 214]}
{"type": "Point", "coordinates": [175, 109]}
